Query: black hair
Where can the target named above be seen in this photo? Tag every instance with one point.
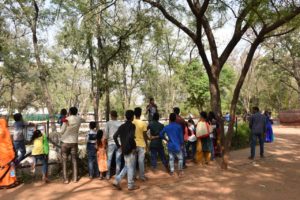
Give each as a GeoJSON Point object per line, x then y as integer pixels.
{"type": "Point", "coordinates": [172, 117]}
{"type": "Point", "coordinates": [93, 125]}
{"type": "Point", "coordinates": [18, 117]}
{"type": "Point", "coordinates": [99, 137]}
{"type": "Point", "coordinates": [114, 114]}
{"type": "Point", "coordinates": [255, 109]}
{"type": "Point", "coordinates": [151, 99]}
{"type": "Point", "coordinates": [36, 134]}
{"type": "Point", "coordinates": [129, 115]}
{"type": "Point", "coordinates": [191, 121]}
{"type": "Point", "coordinates": [203, 114]}
{"type": "Point", "coordinates": [176, 110]}
{"type": "Point", "coordinates": [73, 111]}
{"type": "Point", "coordinates": [211, 116]}
{"type": "Point", "coordinates": [156, 116]}
{"type": "Point", "coordinates": [137, 112]}
{"type": "Point", "coordinates": [63, 112]}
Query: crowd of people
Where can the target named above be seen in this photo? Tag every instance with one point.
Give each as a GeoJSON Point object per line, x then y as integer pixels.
{"type": "Point", "coordinates": [179, 141]}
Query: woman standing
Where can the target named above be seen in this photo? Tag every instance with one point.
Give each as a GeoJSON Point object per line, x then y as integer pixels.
{"type": "Point", "coordinates": [7, 155]}
{"type": "Point", "coordinates": [269, 130]}
{"type": "Point", "coordinates": [204, 142]}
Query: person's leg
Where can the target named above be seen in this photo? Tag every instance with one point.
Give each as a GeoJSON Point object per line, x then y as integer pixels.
{"type": "Point", "coordinates": [194, 148]}
{"type": "Point", "coordinates": [261, 144]}
{"type": "Point", "coordinates": [96, 168]}
{"type": "Point", "coordinates": [141, 161]}
{"type": "Point", "coordinates": [44, 168]}
{"type": "Point", "coordinates": [65, 150]}
{"type": "Point", "coordinates": [187, 148]}
{"type": "Point", "coordinates": [74, 150]}
{"type": "Point", "coordinates": [180, 161]}
{"type": "Point", "coordinates": [22, 150]}
{"type": "Point", "coordinates": [171, 161]}
{"type": "Point", "coordinates": [19, 146]}
{"type": "Point", "coordinates": [121, 175]}
{"type": "Point", "coordinates": [153, 158]}
{"type": "Point", "coordinates": [162, 156]}
{"type": "Point", "coordinates": [212, 151]}
{"type": "Point", "coordinates": [110, 151]}
{"type": "Point", "coordinates": [183, 152]}
{"type": "Point", "coordinates": [253, 144]}
{"type": "Point", "coordinates": [130, 161]}
{"type": "Point", "coordinates": [118, 160]}
{"type": "Point", "coordinates": [90, 161]}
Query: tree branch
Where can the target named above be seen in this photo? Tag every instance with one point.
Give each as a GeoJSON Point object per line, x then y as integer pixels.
{"type": "Point", "coordinates": [172, 19]}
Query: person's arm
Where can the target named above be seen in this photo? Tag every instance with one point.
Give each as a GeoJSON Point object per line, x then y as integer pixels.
{"type": "Point", "coordinates": [64, 128]}
{"type": "Point", "coordinates": [106, 133]}
{"type": "Point", "coordinates": [251, 122]}
{"type": "Point", "coordinates": [116, 135]}
{"type": "Point", "coordinates": [162, 134]}
{"type": "Point", "coordinates": [145, 135]}
{"type": "Point", "coordinates": [147, 109]}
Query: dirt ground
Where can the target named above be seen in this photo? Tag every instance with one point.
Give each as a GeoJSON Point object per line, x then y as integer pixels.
{"type": "Point", "coordinates": [275, 177]}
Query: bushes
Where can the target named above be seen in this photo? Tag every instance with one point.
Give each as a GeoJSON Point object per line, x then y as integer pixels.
{"type": "Point", "coordinates": [240, 138]}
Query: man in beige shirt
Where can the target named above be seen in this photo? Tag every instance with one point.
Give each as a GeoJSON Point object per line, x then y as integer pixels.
{"type": "Point", "coordinates": [69, 139]}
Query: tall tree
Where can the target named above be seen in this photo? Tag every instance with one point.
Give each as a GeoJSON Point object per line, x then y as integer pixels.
{"type": "Point", "coordinates": [30, 15]}
{"type": "Point", "coordinates": [260, 17]}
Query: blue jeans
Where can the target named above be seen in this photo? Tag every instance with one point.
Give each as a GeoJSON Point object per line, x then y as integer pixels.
{"type": "Point", "coordinates": [44, 161]}
{"type": "Point", "coordinates": [194, 146]}
{"type": "Point", "coordinates": [141, 161]}
{"type": "Point", "coordinates": [172, 156]}
{"type": "Point", "coordinates": [161, 153]}
{"type": "Point", "coordinates": [212, 149]}
{"type": "Point", "coordinates": [110, 151]}
{"type": "Point", "coordinates": [129, 169]}
{"type": "Point", "coordinates": [19, 146]}
{"type": "Point", "coordinates": [253, 143]}
{"type": "Point", "coordinates": [92, 160]}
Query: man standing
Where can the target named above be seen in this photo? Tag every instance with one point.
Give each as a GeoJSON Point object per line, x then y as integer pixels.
{"type": "Point", "coordinates": [156, 146]}
{"type": "Point", "coordinates": [141, 141]}
{"type": "Point", "coordinates": [110, 129]}
{"type": "Point", "coordinates": [257, 126]}
{"type": "Point", "coordinates": [69, 138]}
{"type": "Point", "coordinates": [175, 143]}
{"type": "Point", "coordinates": [126, 133]}
{"type": "Point", "coordinates": [151, 109]}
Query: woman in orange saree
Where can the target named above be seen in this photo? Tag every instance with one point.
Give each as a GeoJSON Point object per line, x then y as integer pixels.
{"type": "Point", "coordinates": [7, 155]}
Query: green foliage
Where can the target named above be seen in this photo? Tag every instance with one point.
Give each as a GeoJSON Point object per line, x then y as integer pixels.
{"type": "Point", "coordinates": [240, 138]}
{"type": "Point", "coordinates": [197, 85]}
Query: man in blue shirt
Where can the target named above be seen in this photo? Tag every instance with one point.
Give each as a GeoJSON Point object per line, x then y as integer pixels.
{"type": "Point", "coordinates": [175, 143]}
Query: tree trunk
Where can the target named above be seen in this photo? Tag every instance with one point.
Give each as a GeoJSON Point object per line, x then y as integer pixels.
{"type": "Point", "coordinates": [234, 101]}
{"type": "Point", "coordinates": [107, 100]}
{"type": "Point", "coordinates": [42, 70]}
{"type": "Point", "coordinates": [10, 106]}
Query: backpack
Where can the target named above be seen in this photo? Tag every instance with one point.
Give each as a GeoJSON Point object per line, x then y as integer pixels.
{"type": "Point", "coordinates": [202, 129]}
{"type": "Point", "coordinates": [45, 144]}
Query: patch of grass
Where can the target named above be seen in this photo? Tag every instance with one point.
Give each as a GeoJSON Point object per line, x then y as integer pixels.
{"type": "Point", "coordinates": [241, 137]}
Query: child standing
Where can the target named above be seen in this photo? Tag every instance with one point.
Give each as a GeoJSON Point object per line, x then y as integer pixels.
{"type": "Point", "coordinates": [40, 152]}
{"type": "Point", "coordinates": [91, 148]}
{"type": "Point", "coordinates": [18, 137]}
{"type": "Point", "coordinates": [101, 154]}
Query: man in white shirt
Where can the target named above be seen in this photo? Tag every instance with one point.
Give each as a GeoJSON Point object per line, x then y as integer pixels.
{"type": "Point", "coordinates": [110, 129]}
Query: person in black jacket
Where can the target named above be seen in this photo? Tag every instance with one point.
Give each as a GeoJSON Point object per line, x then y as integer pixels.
{"type": "Point", "coordinates": [257, 125]}
{"type": "Point", "coordinates": [126, 133]}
